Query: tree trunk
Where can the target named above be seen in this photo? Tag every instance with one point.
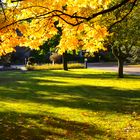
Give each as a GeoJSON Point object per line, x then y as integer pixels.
{"type": "Point", "coordinates": [120, 68]}
{"type": "Point", "coordinates": [64, 60]}
{"type": "Point", "coordinates": [117, 52]}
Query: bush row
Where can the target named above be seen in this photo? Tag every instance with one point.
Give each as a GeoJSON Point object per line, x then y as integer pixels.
{"type": "Point", "coordinates": [55, 66]}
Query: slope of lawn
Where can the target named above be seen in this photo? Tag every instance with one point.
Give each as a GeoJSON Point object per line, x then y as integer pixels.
{"type": "Point", "coordinates": [72, 105]}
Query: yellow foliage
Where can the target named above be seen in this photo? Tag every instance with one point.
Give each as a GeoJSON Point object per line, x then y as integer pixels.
{"type": "Point", "coordinates": [39, 26]}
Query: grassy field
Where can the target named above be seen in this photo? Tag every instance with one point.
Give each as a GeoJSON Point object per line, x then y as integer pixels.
{"type": "Point", "coordinates": [71, 105]}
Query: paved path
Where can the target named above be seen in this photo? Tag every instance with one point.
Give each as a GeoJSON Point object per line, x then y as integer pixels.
{"type": "Point", "coordinates": [134, 70]}
{"type": "Point", "coordinates": [22, 67]}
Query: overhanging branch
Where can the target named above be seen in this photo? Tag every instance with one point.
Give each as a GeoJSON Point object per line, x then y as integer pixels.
{"type": "Point", "coordinates": [133, 4]}
{"type": "Point", "coordinates": [82, 18]}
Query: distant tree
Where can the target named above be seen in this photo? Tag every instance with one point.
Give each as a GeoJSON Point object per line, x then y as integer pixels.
{"type": "Point", "coordinates": [55, 58]}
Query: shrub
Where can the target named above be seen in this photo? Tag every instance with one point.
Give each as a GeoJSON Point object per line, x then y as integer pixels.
{"type": "Point", "coordinates": [54, 67]}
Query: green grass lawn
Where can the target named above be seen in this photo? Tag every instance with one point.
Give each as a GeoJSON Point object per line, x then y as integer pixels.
{"type": "Point", "coordinates": [71, 105]}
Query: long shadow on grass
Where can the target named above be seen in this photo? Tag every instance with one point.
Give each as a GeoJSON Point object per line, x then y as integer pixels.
{"type": "Point", "coordinates": [92, 98]}
{"type": "Point", "coordinates": [26, 87]}
{"type": "Point", "coordinates": [15, 126]}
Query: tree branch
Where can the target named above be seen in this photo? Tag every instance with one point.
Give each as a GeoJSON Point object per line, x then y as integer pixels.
{"type": "Point", "coordinates": [108, 10]}
{"type": "Point", "coordinates": [133, 4]}
{"type": "Point", "coordinates": [83, 19]}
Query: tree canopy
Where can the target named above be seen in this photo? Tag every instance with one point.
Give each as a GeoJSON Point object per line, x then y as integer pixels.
{"type": "Point", "coordinates": [31, 22]}
{"type": "Point", "coordinates": [125, 40]}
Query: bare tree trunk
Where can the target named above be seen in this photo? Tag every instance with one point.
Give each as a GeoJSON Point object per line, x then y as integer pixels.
{"type": "Point", "coordinates": [64, 60]}
{"type": "Point", "coordinates": [120, 68]}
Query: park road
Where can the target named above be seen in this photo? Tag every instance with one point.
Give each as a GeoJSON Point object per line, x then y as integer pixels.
{"type": "Point", "coordinates": [128, 69]}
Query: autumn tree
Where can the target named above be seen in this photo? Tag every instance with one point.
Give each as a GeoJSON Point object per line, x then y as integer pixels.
{"type": "Point", "coordinates": [80, 21]}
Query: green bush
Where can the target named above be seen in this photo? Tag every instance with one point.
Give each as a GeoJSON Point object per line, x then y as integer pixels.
{"type": "Point", "coordinates": [54, 67]}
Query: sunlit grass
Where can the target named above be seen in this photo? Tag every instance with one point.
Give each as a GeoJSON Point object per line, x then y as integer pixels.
{"type": "Point", "coordinates": [77, 104]}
